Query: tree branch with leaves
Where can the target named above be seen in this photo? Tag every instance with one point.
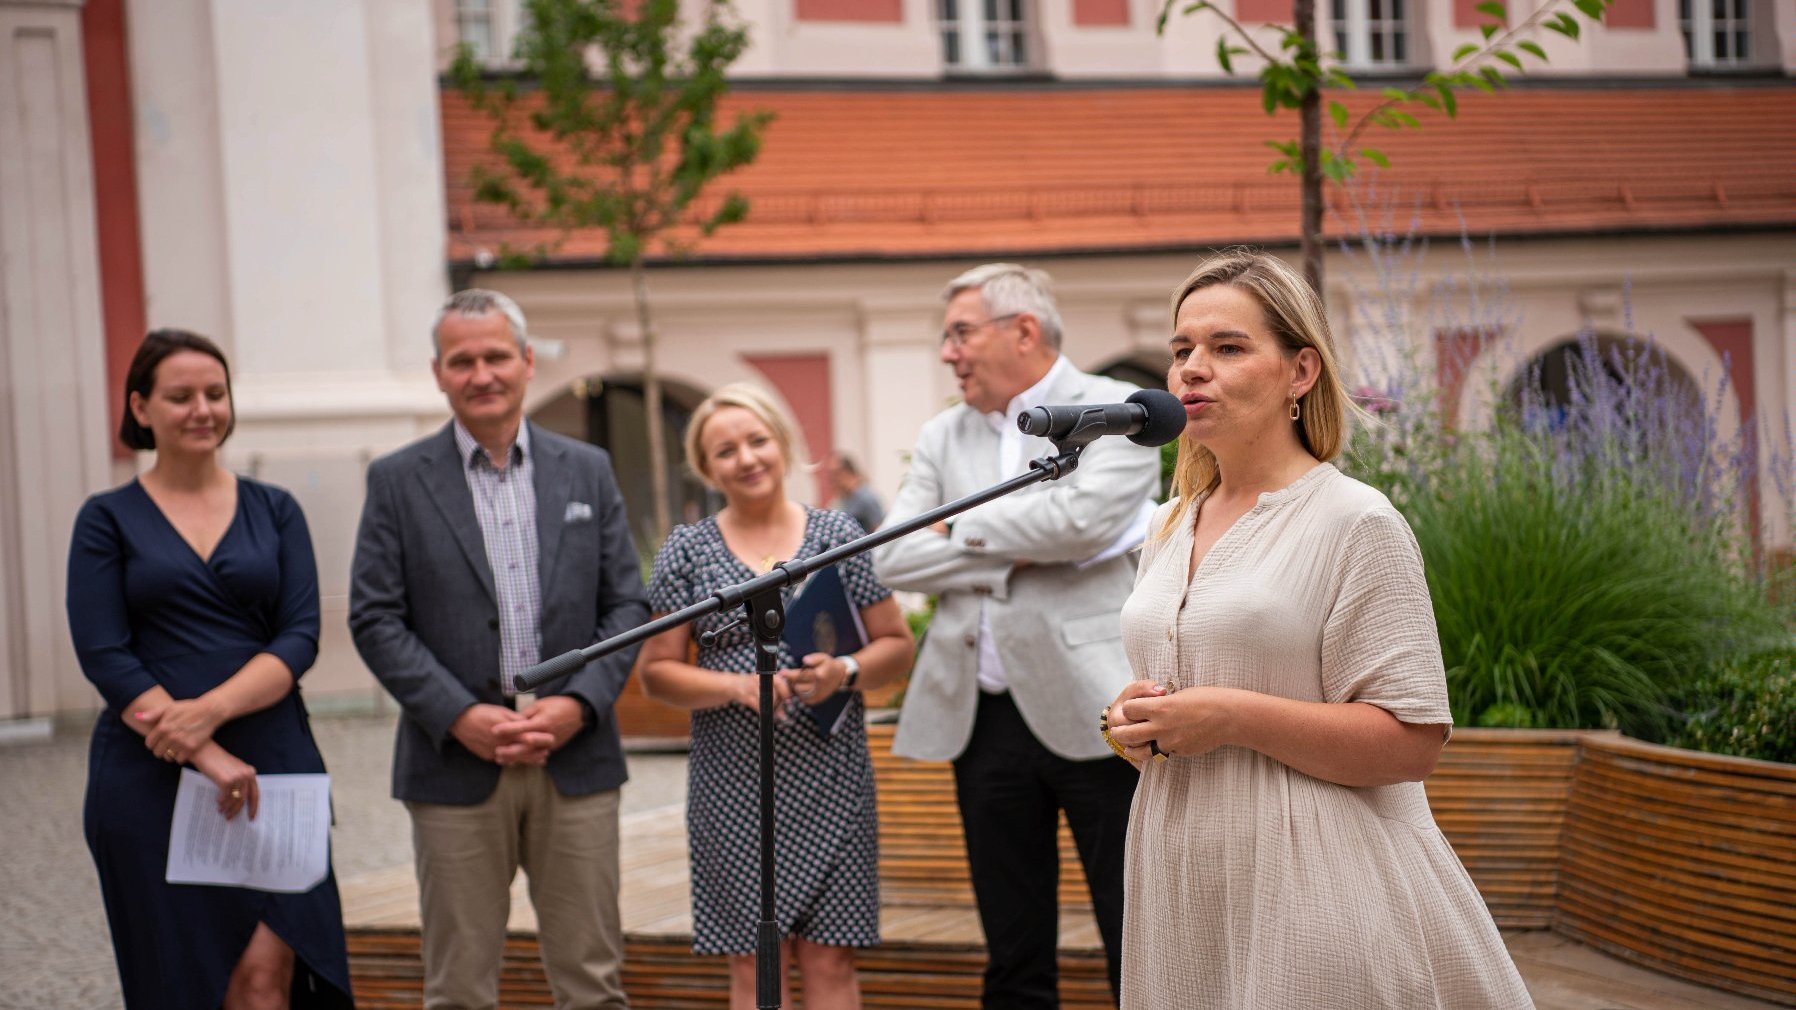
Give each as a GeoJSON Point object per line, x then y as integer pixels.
{"type": "Point", "coordinates": [611, 123]}
{"type": "Point", "coordinates": [1295, 72]}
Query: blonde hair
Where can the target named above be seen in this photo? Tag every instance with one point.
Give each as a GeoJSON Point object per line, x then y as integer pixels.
{"type": "Point", "coordinates": [1296, 318]}
{"type": "Point", "coordinates": [744, 395]}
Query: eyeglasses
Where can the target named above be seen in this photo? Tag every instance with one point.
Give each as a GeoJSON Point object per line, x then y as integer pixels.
{"type": "Point", "coordinates": [956, 336]}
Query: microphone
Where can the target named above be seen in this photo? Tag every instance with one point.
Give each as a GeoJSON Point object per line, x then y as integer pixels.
{"type": "Point", "coordinates": [1147, 417]}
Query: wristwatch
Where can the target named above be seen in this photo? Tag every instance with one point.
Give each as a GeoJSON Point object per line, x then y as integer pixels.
{"type": "Point", "coordinates": [853, 676]}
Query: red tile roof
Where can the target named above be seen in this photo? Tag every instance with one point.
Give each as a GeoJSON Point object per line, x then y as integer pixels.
{"type": "Point", "coordinates": [962, 173]}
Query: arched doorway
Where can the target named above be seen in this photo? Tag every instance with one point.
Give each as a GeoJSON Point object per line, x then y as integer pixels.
{"type": "Point", "coordinates": [1633, 380]}
{"type": "Point", "coordinates": [1145, 370]}
{"type": "Point", "coordinates": [609, 412]}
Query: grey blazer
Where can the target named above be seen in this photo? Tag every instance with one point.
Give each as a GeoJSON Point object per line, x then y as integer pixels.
{"type": "Point", "coordinates": [425, 618]}
{"type": "Point", "coordinates": [1056, 625]}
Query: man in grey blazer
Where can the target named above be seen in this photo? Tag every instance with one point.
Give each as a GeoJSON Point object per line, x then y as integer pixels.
{"type": "Point", "coordinates": [484, 548]}
{"type": "Point", "coordinates": [1025, 648]}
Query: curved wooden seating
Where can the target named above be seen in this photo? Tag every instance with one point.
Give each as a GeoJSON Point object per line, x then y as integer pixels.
{"type": "Point", "coordinates": [1681, 861]}
{"type": "Point", "coordinates": [662, 974]}
{"type": "Point", "coordinates": [1499, 796]}
{"type": "Point", "coordinates": [1685, 862]}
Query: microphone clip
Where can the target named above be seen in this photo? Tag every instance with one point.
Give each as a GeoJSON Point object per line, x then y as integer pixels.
{"type": "Point", "coordinates": [1065, 462]}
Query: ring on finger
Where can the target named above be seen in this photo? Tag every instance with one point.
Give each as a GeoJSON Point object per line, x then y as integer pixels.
{"type": "Point", "coordinates": [236, 794]}
{"type": "Point", "coordinates": [1153, 747]}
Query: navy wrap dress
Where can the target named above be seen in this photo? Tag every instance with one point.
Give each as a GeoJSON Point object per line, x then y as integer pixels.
{"type": "Point", "coordinates": [146, 610]}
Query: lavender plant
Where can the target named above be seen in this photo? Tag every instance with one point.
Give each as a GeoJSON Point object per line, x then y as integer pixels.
{"type": "Point", "coordinates": [1590, 554]}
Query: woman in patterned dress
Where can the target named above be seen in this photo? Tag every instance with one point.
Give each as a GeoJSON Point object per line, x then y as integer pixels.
{"type": "Point", "coordinates": [826, 851]}
{"type": "Point", "coordinates": [1281, 850]}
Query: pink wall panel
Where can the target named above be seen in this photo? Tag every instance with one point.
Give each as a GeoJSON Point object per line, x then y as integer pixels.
{"type": "Point", "coordinates": [1630, 14]}
{"type": "Point", "coordinates": [1466, 15]}
{"type": "Point", "coordinates": [1263, 11]}
{"type": "Point", "coordinates": [886, 11]}
{"type": "Point", "coordinates": [1100, 13]}
{"type": "Point", "coordinates": [802, 380]}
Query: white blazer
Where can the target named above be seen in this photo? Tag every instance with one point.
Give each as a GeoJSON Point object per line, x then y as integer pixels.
{"type": "Point", "coordinates": [1056, 626]}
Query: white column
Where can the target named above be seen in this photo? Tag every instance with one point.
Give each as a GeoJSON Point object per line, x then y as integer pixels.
{"type": "Point", "coordinates": [180, 167]}
{"type": "Point", "coordinates": [290, 166]}
{"type": "Point", "coordinates": [408, 156]}
{"type": "Point", "coordinates": [898, 357]}
{"type": "Point", "coordinates": [53, 437]}
{"type": "Point", "coordinates": [290, 174]}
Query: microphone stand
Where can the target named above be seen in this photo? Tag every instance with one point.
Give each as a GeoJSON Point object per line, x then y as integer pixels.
{"type": "Point", "coordinates": [765, 611]}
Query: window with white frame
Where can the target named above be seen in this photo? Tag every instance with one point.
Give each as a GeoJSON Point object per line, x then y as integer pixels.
{"type": "Point", "coordinates": [1371, 33]}
{"type": "Point", "coordinates": [474, 28]}
{"type": "Point", "coordinates": [984, 36]}
{"type": "Point", "coordinates": [1717, 33]}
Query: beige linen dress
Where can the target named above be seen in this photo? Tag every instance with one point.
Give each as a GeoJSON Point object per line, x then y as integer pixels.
{"type": "Point", "coordinates": [1250, 885]}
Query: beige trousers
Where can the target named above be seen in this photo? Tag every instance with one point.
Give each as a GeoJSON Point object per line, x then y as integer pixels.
{"type": "Point", "coordinates": [466, 859]}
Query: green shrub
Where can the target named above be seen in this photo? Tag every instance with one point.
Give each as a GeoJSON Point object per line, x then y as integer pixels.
{"type": "Point", "coordinates": [1578, 602]}
{"type": "Point", "coordinates": [1746, 709]}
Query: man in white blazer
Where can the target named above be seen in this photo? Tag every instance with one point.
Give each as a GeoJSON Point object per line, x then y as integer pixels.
{"type": "Point", "coordinates": [1025, 647]}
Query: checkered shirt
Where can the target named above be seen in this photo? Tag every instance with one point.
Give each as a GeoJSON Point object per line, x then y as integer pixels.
{"type": "Point", "coordinates": [505, 504]}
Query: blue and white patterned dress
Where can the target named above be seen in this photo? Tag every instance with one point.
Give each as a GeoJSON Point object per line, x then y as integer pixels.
{"type": "Point", "coordinates": [826, 861]}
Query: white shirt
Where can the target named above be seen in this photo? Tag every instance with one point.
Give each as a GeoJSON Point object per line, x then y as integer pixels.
{"type": "Point", "coordinates": [1010, 460]}
{"type": "Point", "coordinates": [992, 678]}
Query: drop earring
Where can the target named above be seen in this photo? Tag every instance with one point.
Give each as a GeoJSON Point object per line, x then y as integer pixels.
{"type": "Point", "coordinates": [1295, 412]}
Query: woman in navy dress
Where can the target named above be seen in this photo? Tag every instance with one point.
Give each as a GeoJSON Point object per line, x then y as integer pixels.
{"type": "Point", "coordinates": [826, 853]}
{"type": "Point", "coordinates": [193, 602]}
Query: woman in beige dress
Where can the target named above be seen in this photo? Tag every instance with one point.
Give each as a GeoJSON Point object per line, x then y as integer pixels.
{"type": "Point", "coordinates": [1291, 698]}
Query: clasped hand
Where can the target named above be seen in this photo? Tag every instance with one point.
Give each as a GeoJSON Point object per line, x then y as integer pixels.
{"type": "Point", "coordinates": [1146, 719]}
{"type": "Point", "coordinates": [497, 734]}
{"type": "Point", "coordinates": [176, 731]}
{"type": "Point", "coordinates": [820, 676]}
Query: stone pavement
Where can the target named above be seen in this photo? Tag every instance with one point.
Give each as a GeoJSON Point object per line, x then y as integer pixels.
{"type": "Point", "coordinates": [55, 953]}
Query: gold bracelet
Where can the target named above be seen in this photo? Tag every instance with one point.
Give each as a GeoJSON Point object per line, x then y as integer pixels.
{"type": "Point", "coordinates": [1116, 747]}
{"type": "Point", "coordinates": [1104, 731]}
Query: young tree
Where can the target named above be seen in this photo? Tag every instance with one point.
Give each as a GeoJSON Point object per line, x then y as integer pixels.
{"type": "Point", "coordinates": [1295, 71]}
{"type": "Point", "coordinates": [616, 129]}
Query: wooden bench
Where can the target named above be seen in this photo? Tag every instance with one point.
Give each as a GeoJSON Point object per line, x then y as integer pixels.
{"type": "Point", "coordinates": [386, 971]}
{"type": "Point", "coordinates": [922, 852]}
{"type": "Point", "coordinates": [1500, 799]}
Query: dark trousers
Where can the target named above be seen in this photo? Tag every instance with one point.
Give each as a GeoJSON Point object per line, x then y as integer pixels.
{"type": "Point", "coordinates": [1011, 790]}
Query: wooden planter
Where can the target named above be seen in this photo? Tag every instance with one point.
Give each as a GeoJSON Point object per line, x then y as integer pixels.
{"type": "Point", "coordinates": [1684, 862]}
{"type": "Point", "coordinates": [1499, 795]}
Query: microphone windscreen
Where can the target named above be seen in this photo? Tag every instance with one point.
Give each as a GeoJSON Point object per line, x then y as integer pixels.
{"type": "Point", "coordinates": [1165, 417]}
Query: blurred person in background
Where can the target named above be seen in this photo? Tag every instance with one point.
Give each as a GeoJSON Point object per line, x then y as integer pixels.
{"type": "Point", "coordinates": [853, 495]}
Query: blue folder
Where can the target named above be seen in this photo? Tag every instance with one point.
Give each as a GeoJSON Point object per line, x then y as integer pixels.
{"type": "Point", "coordinates": [821, 618]}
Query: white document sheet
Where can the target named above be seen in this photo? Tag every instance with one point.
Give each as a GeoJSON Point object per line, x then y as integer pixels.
{"type": "Point", "coordinates": [286, 848]}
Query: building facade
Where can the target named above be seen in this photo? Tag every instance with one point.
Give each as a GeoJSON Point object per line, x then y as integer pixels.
{"type": "Point", "coordinates": [293, 179]}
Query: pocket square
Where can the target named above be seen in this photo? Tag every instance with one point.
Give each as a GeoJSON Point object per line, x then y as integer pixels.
{"type": "Point", "coordinates": [577, 512]}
